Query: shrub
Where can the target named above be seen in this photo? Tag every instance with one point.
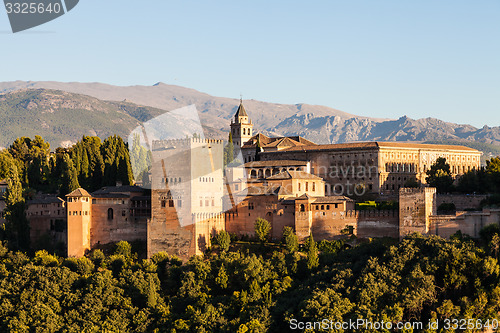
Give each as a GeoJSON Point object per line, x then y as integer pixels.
{"type": "Point", "coordinates": [123, 248]}
{"type": "Point", "coordinates": [290, 240]}
{"type": "Point", "coordinates": [262, 229]}
{"type": "Point", "coordinates": [223, 240]}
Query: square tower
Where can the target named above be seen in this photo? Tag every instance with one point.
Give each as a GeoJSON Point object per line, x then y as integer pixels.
{"type": "Point", "coordinates": [241, 127]}
{"type": "Point", "coordinates": [186, 196]}
{"type": "Point", "coordinates": [79, 222]}
{"type": "Point", "coordinates": [416, 205]}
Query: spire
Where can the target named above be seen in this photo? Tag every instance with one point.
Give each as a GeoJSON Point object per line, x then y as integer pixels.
{"type": "Point", "coordinates": [241, 110]}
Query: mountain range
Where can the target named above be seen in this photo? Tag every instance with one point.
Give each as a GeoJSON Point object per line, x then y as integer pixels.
{"type": "Point", "coordinates": [63, 112]}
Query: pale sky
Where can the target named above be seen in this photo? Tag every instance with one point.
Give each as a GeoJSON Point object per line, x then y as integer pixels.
{"type": "Point", "coordinates": [381, 58]}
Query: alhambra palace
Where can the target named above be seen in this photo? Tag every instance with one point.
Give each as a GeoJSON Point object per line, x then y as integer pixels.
{"type": "Point", "coordinates": [289, 181]}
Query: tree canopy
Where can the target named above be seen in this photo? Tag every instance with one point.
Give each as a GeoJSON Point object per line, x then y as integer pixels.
{"type": "Point", "coordinates": [419, 278]}
{"type": "Point", "coordinates": [439, 176]}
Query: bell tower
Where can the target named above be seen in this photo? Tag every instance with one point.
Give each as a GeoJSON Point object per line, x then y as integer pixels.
{"type": "Point", "coordinates": [241, 127]}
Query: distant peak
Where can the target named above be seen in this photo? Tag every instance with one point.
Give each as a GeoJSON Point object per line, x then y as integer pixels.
{"type": "Point", "coordinates": [158, 84]}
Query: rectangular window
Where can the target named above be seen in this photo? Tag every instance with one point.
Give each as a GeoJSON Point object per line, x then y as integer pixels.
{"type": "Point", "coordinates": [170, 203]}
{"type": "Point", "coordinates": [307, 186]}
{"type": "Point", "coordinates": [163, 204]}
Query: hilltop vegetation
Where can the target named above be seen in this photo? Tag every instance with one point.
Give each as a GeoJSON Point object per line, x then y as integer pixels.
{"type": "Point", "coordinates": [62, 112]}
{"type": "Point", "coordinates": [62, 117]}
{"type": "Point", "coordinates": [420, 278]}
{"type": "Point", "coordinates": [30, 167]}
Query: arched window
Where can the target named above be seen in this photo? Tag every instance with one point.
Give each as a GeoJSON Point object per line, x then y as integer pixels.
{"type": "Point", "coordinates": [244, 131]}
{"type": "Point", "coordinates": [110, 213]}
{"type": "Point", "coordinates": [302, 208]}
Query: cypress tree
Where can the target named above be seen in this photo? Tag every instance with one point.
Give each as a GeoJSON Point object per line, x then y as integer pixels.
{"type": "Point", "coordinates": [69, 177]}
{"type": "Point", "coordinates": [18, 229]}
{"type": "Point", "coordinates": [258, 149]}
{"type": "Point", "coordinates": [229, 151]}
{"type": "Point", "coordinates": [98, 173]}
{"type": "Point", "coordinates": [312, 253]}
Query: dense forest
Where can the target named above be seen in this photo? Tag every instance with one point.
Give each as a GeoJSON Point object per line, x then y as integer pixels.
{"type": "Point", "coordinates": [253, 286]}
{"type": "Point", "coordinates": [90, 163]}
{"type": "Point", "coordinates": [238, 285]}
{"type": "Point", "coordinates": [30, 167]}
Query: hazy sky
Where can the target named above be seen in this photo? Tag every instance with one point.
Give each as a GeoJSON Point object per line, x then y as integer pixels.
{"type": "Point", "coordinates": [432, 58]}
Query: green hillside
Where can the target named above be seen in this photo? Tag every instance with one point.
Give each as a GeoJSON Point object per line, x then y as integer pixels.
{"type": "Point", "coordinates": [61, 117]}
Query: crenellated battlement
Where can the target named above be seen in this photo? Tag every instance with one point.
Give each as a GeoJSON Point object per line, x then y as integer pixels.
{"type": "Point", "coordinates": [412, 190]}
{"type": "Point", "coordinates": [370, 213]}
{"type": "Point", "coordinates": [183, 143]}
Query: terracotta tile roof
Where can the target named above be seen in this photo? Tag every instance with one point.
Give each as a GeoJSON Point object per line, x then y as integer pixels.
{"type": "Point", "coordinates": [265, 190]}
{"type": "Point", "coordinates": [302, 140]}
{"type": "Point", "coordinates": [79, 192]}
{"type": "Point", "coordinates": [118, 189]}
{"type": "Point", "coordinates": [48, 199]}
{"type": "Point", "coordinates": [283, 142]}
{"type": "Point", "coordinates": [424, 146]}
{"type": "Point", "coordinates": [266, 141]}
{"type": "Point", "coordinates": [317, 200]}
{"type": "Point", "coordinates": [376, 144]}
{"type": "Point", "coordinates": [111, 195]}
{"type": "Point", "coordinates": [263, 140]}
{"type": "Point", "coordinates": [339, 146]}
{"type": "Point", "coordinates": [261, 164]}
{"type": "Point", "coordinates": [332, 199]}
{"type": "Point", "coordinates": [294, 174]}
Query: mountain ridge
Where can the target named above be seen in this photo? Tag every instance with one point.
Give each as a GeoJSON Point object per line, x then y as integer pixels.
{"type": "Point", "coordinates": [318, 123]}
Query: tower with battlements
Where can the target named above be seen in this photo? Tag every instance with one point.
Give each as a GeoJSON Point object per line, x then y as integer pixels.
{"type": "Point", "coordinates": [416, 205]}
{"type": "Point", "coordinates": [186, 196]}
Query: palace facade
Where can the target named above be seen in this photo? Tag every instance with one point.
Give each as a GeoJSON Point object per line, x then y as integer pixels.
{"type": "Point", "coordinates": [289, 181]}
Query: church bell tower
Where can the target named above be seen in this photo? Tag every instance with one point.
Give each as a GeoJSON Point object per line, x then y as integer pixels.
{"type": "Point", "coordinates": [241, 127]}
